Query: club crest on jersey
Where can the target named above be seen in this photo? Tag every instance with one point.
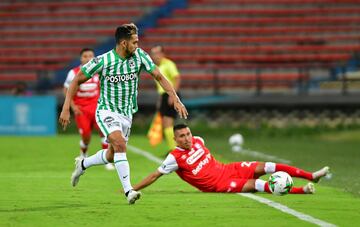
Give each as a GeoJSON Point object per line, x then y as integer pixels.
{"type": "Point", "coordinates": [132, 63]}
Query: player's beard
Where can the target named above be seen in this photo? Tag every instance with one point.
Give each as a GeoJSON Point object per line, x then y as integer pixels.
{"type": "Point", "coordinates": [128, 52]}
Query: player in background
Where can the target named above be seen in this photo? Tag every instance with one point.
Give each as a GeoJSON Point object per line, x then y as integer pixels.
{"type": "Point", "coordinates": [84, 105]}
{"type": "Point", "coordinates": [164, 106]}
{"type": "Point", "coordinates": [119, 71]}
{"type": "Point", "coordinates": [193, 163]}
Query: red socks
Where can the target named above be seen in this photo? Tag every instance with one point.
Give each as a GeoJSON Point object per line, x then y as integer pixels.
{"type": "Point", "coordinates": [293, 171]}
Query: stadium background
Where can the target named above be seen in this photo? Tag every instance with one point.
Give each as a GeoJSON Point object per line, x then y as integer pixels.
{"type": "Point", "coordinates": [284, 73]}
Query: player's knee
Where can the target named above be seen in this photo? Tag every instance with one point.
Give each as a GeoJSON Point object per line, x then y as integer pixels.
{"type": "Point", "coordinates": [249, 186]}
{"type": "Point", "coordinates": [260, 165]}
{"type": "Point", "coordinates": [117, 142]}
{"type": "Point", "coordinates": [260, 169]}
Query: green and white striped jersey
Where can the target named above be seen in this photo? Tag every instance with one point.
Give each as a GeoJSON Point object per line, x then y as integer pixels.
{"type": "Point", "coordinates": [119, 79]}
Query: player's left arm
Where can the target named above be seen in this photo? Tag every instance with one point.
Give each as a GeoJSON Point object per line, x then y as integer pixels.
{"type": "Point", "coordinates": [165, 84]}
{"type": "Point", "coordinates": [148, 180]}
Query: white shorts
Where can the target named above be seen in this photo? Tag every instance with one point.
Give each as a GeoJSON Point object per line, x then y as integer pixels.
{"type": "Point", "coordinates": [109, 122]}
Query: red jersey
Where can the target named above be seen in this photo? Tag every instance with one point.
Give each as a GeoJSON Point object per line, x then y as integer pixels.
{"type": "Point", "coordinates": [195, 166]}
{"type": "Point", "coordinates": [88, 92]}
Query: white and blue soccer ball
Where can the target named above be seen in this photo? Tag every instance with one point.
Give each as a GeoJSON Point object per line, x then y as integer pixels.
{"type": "Point", "coordinates": [236, 142]}
{"type": "Point", "coordinates": [280, 183]}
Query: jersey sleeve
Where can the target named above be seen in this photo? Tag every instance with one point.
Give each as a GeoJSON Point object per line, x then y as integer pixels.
{"type": "Point", "coordinates": [146, 61]}
{"type": "Point", "coordinates": [94, 66]}
{"type": "Point", "coordinates": [69, 78]}
{"type": "Point", "coordinates": [201, 139]}
{"type": "Point", "coordinates": [169, 165]}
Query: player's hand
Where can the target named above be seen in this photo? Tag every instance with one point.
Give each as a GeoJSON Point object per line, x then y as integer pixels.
{"type": "Point", "coordinates": [76, 110]}
{"type": "Point", "coordinates": [180, 108]}
{"type": "Point", "coordinates": [64, 118]}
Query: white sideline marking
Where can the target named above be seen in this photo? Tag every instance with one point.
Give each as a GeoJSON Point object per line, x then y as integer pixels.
{"type": "Point", "coordinates": [268, 202]}
{"type": "Point", "coordinates": [261, 155]}
{"type": "Point", "coordinates": [287, 210]}
{"type": "Point", "coordinates": [145, 154]}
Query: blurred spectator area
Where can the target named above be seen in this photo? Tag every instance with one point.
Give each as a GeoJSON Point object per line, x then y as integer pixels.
{"type": "Point", "coordinates": [39, 37]}
{"type": "Point", "coordinates": [261, 46]}
{"type": "Point", "coordinates": [228, 46]}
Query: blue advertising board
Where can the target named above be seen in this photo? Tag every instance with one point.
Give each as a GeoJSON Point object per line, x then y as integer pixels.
{"type": "Point", "coordinates": [34, 115]}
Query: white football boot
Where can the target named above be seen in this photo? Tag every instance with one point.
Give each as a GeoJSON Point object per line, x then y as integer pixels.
{"type": "Point", "coordinates": [320, 173]}
{"type": "Point", "coordinates": [309, 188]}
{"type": "Point", "coordinates": [75, 176]}
{"type": "Point", "coordinates": [133, 196]}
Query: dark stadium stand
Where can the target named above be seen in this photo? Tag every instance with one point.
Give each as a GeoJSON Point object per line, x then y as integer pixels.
{"type": "Point", "coordinates": [39, 37]}
{"type": "Point", "coordinates": [227, 45]}
{"type": "Point", "coordinates": [287, 37]}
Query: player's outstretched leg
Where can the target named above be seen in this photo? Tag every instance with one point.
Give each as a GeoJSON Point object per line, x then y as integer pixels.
{"type": "Point", "coordinates": [320, 173]}
{"type": "Point", "coordinates": [105, 145]}
{"type": "Point", "coordinates": [293, 171]}
{"type": "Point", "coordinates": [81, 164]}
{"type": "Point", "coordinates": [263, 186]}
{"type": "Point", "coordinates": [79, 170]}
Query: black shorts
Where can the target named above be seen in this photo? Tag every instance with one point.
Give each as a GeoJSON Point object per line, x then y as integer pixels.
{"type": "Point", "coordinates": [165, 109]}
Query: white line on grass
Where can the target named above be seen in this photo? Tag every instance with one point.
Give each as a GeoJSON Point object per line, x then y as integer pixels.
{"type": "Point", "coordinates": [287, 210]}
{"type": "Point", "coordinates": [268, 202]}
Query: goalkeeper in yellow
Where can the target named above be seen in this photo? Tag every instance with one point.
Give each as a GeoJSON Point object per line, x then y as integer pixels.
{"type": "Point", "coordinates": [164, 105]}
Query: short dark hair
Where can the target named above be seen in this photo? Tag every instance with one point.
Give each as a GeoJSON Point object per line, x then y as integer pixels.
{"type": "Point", "coordinates": [86, 49]}
{"type": "Point", "coordinates": [180, 126]}
{"type": "Point", "coordinates": [125, 31]}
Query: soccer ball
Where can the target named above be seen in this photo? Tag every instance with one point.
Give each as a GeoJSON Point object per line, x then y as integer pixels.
{"type": "Point", "coordinates": [236, 141]}
{"type": "Point", "coordinates": [280, 183]}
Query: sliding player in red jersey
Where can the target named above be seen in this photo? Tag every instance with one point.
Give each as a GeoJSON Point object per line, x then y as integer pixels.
{"type": "Point", "coordinates": [193, 163]}
{"type": "Point", "coordinates": [84, 105]}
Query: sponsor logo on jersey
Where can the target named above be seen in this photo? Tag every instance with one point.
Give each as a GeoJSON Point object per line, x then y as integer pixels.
{"type": "Point", "coordinates": [92, 63]}
{"type": "Point", "coordinates": [201, 164]}
{"type": "Point", "coordinates": [195, 156]}
{"type": "Point", "coordinates": [121, 77]}
{"type": "Point", "coordinates": [95, 60]}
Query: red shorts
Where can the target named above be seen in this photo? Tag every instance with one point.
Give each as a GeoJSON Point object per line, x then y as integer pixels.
{"type": "Point", "coordinates": [86, 121]}
{"type": "Point", "coordinates": [235, 176]}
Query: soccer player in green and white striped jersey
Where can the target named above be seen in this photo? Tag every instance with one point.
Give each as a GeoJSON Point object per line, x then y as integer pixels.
{"type": "Point", "coordinates": [119, 71]}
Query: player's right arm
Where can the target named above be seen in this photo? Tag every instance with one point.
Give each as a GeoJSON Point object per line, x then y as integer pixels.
{"type": "Point", "coordinates": [64, 118]}
{"type": "Point", "coordinates": [168, 166]}
{"type": "Point", "coordinates": [71, 75]}
{"type": "Point", "coordinates": [87, 71]}
{"type": "Point", "coordinates": [148, 180]}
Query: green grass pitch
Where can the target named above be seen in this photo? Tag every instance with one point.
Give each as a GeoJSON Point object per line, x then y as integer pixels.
{"type": "Point", "coordinates": [35, 185]}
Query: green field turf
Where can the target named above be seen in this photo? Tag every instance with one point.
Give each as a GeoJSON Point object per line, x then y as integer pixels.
{"type": "Point", "coordinates": [35, 185]}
